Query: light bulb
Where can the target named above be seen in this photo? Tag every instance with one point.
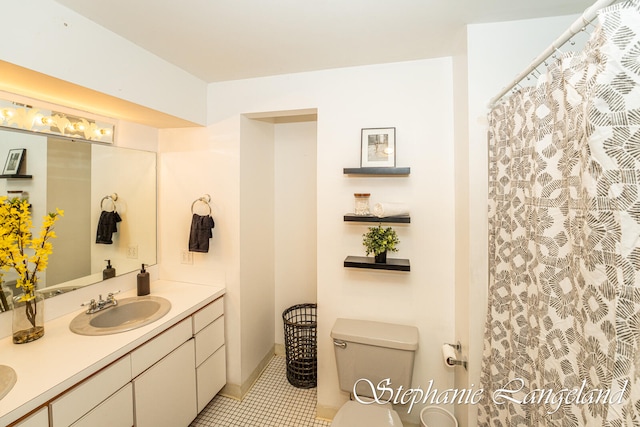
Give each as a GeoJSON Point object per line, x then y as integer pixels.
{"type": "Point", "coordinates": [7, 113]}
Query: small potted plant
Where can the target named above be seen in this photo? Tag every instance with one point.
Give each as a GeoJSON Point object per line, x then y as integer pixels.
{"type": "Point", "coordinates": [28, 256]}
{"type": "Point", "coordinates": [380, 240]}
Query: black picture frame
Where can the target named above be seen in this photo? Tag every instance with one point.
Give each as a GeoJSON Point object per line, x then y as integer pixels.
{"type": "Point", "coordinates": [378, 148]}
{"type": "Point", "coordinates": [15, 157]}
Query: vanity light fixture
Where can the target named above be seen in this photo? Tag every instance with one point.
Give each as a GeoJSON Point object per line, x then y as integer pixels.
{"type": "Point", "coordinates": [6, 113]}
{"type": "Point", "coordinates": [47, 121]}
{"type": "Point", "coordinates": [15, 115]}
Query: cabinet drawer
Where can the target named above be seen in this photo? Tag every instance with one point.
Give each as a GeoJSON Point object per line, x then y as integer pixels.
{"type": "Point", "coordinates": [148, 354]}
{"type": "Point", "coordinates": [211, 376]}
{"type": "Point", "coordinates": [116, 411]}
{"type": "Point", "coordinates": [78, 401]}
{"type": "Point", "coordinates": [38, 419]}
{"type": "Point", "coordinates": [207, 315]}
{"type": "Point", "coordinates": [209, 339]}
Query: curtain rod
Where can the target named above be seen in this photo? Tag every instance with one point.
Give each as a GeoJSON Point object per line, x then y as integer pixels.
{"type": "Point", "coordinates": [589, 15]}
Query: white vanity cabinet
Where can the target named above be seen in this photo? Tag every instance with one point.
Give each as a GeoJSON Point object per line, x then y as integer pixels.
{"type": "Point", "coordinates": [208, 331]}
{"type": "Point", "coordinates": [117, 410]}
{"type": "Point", "coordinates": [165, 394]}
{"type": "Point", "coordinates": [37, 419]}
{"type": "Point", "coordinates": [172, 385]}
{"type": "Point", "coordinates": [165, 389]}
{"type": "Point", "coordinates": [93, 392]}
{"type": "Point", "coordinates": [163, 381]}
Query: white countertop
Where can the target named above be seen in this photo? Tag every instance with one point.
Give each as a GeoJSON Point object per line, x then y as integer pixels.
{"type": "Point", "coordinates": [60, 359]}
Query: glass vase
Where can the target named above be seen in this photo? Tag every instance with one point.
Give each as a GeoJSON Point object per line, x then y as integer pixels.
{"type": "Point", "coordinates": [362, 203]}
{"type": "Point", "coordinates": [28, 318]}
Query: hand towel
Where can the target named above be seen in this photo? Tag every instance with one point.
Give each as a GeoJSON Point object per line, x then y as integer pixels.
{"type": "Point", "coordinates": [200, 233]}
{"type": "Point", "coordinates": [107, 225]}
{"type": "Point", "coordinates": [390, 209]}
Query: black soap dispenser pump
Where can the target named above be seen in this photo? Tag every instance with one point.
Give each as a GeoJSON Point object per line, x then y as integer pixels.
{"type": "Point", "coordinates": [144, 287]}
{"type": "Point", "coordinates": [109, 272]}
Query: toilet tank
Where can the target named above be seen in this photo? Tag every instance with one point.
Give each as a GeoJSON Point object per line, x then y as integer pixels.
{"type": "Point", "coordinates": [373, 351]}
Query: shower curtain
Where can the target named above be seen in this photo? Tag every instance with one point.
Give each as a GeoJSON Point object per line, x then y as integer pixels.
{"type": "Point", "coordinates": [562, 336]}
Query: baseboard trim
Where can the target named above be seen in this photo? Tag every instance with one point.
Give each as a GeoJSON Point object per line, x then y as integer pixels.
{"type": "Point", "coordinates": [325, 413]}
{"type": "Point", "coordinates": [231, 391]}
{"type": "Point", "coordinates": [280, 350]}
{"type": "Point", "coordinates": [238, 392]}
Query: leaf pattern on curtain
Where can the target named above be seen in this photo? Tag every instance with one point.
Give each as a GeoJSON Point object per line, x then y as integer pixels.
{"type": "Point", "coordinates": [564, 239]}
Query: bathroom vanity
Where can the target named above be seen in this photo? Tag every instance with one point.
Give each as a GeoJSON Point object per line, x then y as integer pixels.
{"type": "Point", "coordinates": [163, 373]}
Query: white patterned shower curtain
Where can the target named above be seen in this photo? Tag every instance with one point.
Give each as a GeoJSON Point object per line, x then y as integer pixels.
{"type": "Point", "coordinates": [562, 337]}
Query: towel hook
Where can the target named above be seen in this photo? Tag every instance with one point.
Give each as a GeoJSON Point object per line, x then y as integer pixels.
{"type": "Point", "coordinates": [113, 197]}
{"type": "Point", "coordinates": [204, 199]}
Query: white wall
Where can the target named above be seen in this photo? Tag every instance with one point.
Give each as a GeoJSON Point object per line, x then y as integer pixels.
{"type": "Point", "coordinates": [497, 52]}
{"type": "Point", "coordinates": [131, 175]}
{"type": "Point", "coordinates": [51, 39]}
{"type": "Point", "coordinates": [257, 244]}
{"type": "Point", "coordinates": [190, 166]}
{"type": "Point", "coordinates": [461, 155]}
{"type": "Point", "coordinates": [193, 163]}
{"type": "Point", "coordinates": [416, 98]}
{"type": "Point", "coordinates": [295, 218]}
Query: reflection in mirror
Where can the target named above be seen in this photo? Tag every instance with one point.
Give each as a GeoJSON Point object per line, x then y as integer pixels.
{"type": "Point", "coordinates": [84, 179]}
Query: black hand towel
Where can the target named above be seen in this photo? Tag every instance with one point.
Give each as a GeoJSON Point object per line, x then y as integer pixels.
{"type": "Point", "coordinates": [107, 225]}
{"type": "Point", "coordinates": [200, 234]}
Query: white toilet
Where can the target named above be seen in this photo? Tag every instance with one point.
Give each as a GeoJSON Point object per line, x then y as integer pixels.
{"type": "Point", "coordinates": [372, 351]}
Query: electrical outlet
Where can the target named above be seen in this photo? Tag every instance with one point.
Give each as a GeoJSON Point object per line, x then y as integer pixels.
{"type": "Point", "coordinates": [132, 251]}
{"type": "Point", "coordinates": [186, 257]}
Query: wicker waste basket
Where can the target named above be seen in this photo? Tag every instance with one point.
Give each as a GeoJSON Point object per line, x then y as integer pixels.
{"type": "Point", "coordinates": [300, 343]}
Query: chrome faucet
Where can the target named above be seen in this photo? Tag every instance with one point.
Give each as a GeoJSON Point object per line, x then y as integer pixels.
{"type": "Point", "coordinates": [101, 304]}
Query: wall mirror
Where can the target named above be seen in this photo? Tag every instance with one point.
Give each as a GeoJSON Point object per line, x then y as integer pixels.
{"type": "Point", "coordinates": [84, 179]}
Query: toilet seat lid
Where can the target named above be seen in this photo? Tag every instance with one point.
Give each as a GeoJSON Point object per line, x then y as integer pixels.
{"type": "Point", "coordinates": [354, 414]}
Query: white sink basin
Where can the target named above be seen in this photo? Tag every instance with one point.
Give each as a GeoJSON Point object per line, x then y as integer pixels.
{"type": "Point", "coordinates": [130, 313]}
{"type": "Point", "coordinates": [8, 378]}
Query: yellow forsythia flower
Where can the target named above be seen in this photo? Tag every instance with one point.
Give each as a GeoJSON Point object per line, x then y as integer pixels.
{"type": "Point", "coordinates": [16, 239]}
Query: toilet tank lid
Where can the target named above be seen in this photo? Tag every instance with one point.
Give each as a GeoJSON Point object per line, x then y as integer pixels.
{"type": "Point", "coordinates": [390, 335]}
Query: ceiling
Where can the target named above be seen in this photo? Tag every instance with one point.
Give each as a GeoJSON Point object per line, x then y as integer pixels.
{"type": "Point", "coordinates": [217, 40]}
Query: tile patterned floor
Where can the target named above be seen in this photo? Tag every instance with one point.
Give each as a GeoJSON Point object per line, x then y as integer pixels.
{"type": "Point", "coordinates": [271, 402]}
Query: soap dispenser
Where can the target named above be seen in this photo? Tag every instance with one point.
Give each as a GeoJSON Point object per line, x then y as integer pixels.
{"type": "Point", "coordinates": [109, 271]}
{"type": "Point", "coordinates": [143, 282]}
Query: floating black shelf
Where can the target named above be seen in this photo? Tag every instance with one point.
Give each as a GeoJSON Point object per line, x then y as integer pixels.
{"type": "Point", "coordinates": [400, 219]}
{"type": "Point", "coordinates": [377, 171]}
{"type": "Point", "coordinates": [396, 264]}
{"type": "Point", "coordinates": [16, 176]}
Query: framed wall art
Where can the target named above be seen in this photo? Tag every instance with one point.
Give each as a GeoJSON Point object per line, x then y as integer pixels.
{"type": "Point", "coordinates": [14, 161]}
{"type": "Point", "coordinates": [378, 147]}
